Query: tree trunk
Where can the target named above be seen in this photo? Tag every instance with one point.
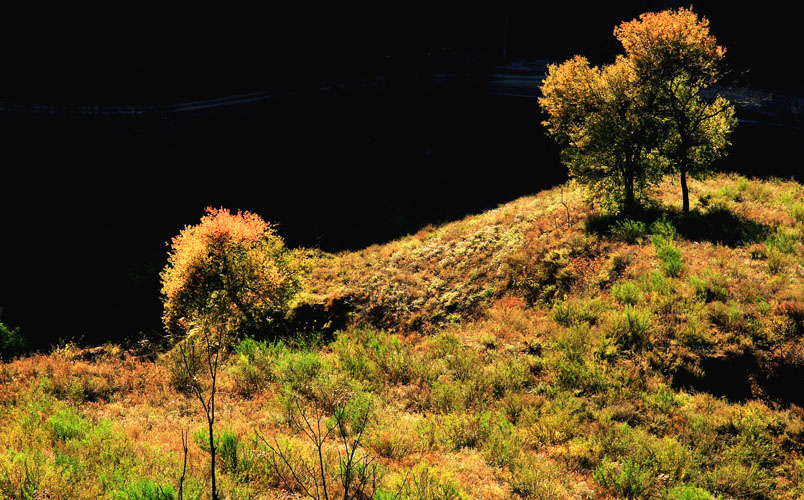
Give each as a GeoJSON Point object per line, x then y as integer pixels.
{"type": "Point", "coordinates": [212, 456]}
{"type": "Point", "coordinates": [684, 167]}
{"type": "Point", "coordinates": [629, 203]}
{"type": "Point", "coordinates": [685, 194]}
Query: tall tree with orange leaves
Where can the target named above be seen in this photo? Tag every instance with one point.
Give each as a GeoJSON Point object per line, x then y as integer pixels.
{"type": "Point", "coordinates": [677, 60]}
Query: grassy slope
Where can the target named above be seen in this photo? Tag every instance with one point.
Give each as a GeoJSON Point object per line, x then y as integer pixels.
{"type": "Point", "coordinates": [507, 355]}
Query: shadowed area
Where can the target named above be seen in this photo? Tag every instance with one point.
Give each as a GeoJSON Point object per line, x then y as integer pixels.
{"type": "Point", "coordinates": [715, 224]}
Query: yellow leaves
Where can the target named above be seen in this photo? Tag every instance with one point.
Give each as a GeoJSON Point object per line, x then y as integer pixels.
{"type": "Point", "coordinates": [567, 88]}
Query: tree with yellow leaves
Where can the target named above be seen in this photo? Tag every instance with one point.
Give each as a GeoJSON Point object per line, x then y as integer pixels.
{"type": "Point", "coordinates": [601, 118]}
{"type": "Point", "coordinates": [677, 60]}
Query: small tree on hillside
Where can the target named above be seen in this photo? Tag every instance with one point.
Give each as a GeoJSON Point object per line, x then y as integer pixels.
{"type": "Point", "coordinates": [600, 117]}
{"type": "Point", "coordinates": [231, 270]}
{"type": "Point", "coordinates": [676, 60]}
{"type": "Point", "coordinates": [229, 274]}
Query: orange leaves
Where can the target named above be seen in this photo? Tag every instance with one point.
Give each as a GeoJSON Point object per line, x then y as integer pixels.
{"type": "Point", "coordinates": [231, 270]}
{"type": "Point", "coordinates": [220, 223]}
{"type": "Point", "coordinates": [666, 42]}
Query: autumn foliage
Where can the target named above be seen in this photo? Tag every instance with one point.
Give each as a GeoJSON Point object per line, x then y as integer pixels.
{"type": "Point", "coordinates": [231, 271]}
{"type": "Point", "coordinates": [650, 113]}
{"type": "Point", "coordinates": [670, 43]}
{"type": "Point", "coordinates": [601, 117]}
{"type": "Point", "coordinates": [677, 60]}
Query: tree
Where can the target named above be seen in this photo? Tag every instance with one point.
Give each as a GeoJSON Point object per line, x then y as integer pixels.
{"type": "Point", "coordinates": [600, 117]}
{"type": "Point", "coordinates": [200, 357]}
{"type": "Point", "coordinates": [231, 272]}
{"type": "Point", "coordinates": [228, 274]}
{"type": "Point", "coordinates": [676, 60]}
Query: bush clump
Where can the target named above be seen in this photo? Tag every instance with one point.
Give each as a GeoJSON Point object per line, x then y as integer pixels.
{"type": "Point", "coordinates": [628, 230]}
{"type": "Point", "coordinates": [12, 343]}
{"type": "Point", "coordinates": [626, 293]}
{"type": "Point", "coordinates": [668, 253]}
{"type": "Point", "coordinates": [631, 329]}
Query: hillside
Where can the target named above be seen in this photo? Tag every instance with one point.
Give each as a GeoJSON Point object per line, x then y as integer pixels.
{"type": "Point", "coordinates": [538, 350]}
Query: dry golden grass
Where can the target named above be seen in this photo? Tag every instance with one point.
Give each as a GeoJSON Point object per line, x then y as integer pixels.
{"type": "Point", "coordinates": [506, 355]}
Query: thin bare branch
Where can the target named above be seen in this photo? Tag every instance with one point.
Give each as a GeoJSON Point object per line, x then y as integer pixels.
{"type": "Point", "coordinates": [278, 452]}
{"type": "Point", "coordinates": [184, 467]}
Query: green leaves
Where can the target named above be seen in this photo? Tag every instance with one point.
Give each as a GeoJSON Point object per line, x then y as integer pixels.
{"type": "Point", "coordinates": [12, 342]}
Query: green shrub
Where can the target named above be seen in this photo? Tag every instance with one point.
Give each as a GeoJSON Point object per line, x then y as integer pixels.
{"type": "Point", "coordinates": [710, 288]}
{"type": "Point", "coordinates": [572, 343]}
{"type": "Point", "coordinates": [630, 231]}
{"type": "Point", "coordinates": [506, 375]}
{"type": "Point", "coordinates": [797, 211]}
{"type": "Point", "coordinates": [12, 342]}
{"type": "Point", "coordinates": [254, 364]}
{"type": "Point", "coordinates": [227, 449]}
{"type": "Point", "coordinates": [374, 357]}
{"type": "Point", "coordinates": [569, 313]}
{"type": "Point", "coordinates": [663, 400]}
{"type": "Point", "coordinates": [626, 292]}
{"type": "Point", "coordinates": [542, 479]}
{"type": "Point", "coordinates": [22, 474]}
{"type": "Point", "coordinates": [463, 362]}
{"type": "Point", "coordinates": [631, 329]}
{"type": "Point", "coordinates": [501, 445]}
{"type": "Point", "coordinates": [454, 431]}
{"type": "Point", "coordinates": [740, 480]}
{"type": "Point", "coordinates": [689, 493]}
{"type": "Point", "coordinates": [146, 489]}
{"type": "Point", "coordinates": [776, 260]}
{"type": "Point", "coordinates": [447, 395]}
{"type": "Point", "coordinates": [657, 282]}
{"type": "Point", "coordinates": [299, 370]}
{"type": "Point", "coordinates": [488, 341]}
{"type": "Point", "coordinates": [230, 451]}
{"type": "Point", "coordinates": [783, 241]}
{"type": "Point", "coordinates": [626, 478]}
{"type": "Point", "coordinates": [248, 379]}
{"type": "Point", "coordinates": [572, 369]}
{"type": "Point", "coordinates": [179, 377]}
{"type": "Point", "coordinates": [542, 275]}
{"type": "Point", "coordinates": [425, 482]}
{"type": "Point", "coordinates": [67, 424]}
{"type": "Point", "coordinates": [672, 265]}
{"type": "Point", "coordinates": [729, 317]}
{"type": "Point", "coordinates": [664, 228]}
{"type": "Point", "coordinates": [560, 420]}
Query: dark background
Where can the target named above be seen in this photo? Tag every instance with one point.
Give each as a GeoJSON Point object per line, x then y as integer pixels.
{"type": "Point", "coordinates": [89, 199]}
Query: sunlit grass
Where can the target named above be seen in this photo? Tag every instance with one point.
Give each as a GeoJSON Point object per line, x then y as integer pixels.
{"type": "Point", "coordinates": [507, 355]}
